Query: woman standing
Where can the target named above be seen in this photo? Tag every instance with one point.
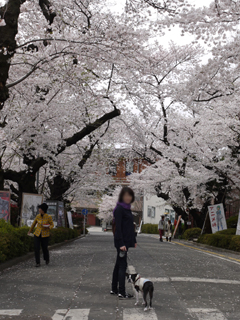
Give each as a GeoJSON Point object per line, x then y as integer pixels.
{"type": "Point", "coordinates": [44, 223]}
{"type": "Point", "coordinates": [161, 227]}
{"type": "Point", "coordinates": [169, 231]}
{"type": "Point", "coordinates": [124, 238]}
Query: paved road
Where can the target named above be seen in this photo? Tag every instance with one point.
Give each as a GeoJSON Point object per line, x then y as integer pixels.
{"type": "Point", "coordinates": [189, 283]}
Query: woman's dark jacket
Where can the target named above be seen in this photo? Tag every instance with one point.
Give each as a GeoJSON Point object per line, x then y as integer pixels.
{"type": "Point", "coordinates": [124, 233]}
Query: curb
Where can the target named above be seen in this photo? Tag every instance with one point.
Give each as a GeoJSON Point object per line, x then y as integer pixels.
{"type": "Point", "coordinates": [206, 246]}
{"type": "Point", "coordinates": [30, 255]}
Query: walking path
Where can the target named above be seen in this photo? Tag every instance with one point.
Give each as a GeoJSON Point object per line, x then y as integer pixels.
{"type": "Point", "coordinates": [189, 284]}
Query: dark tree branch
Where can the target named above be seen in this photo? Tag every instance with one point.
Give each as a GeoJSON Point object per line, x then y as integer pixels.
{"type": "Point", "coordinates": [87, 155]}
{"type": "Point", "coordinates": [39, 162]}
{"type": "Point", "coordinates": [14, 190]}
{"type": "Point", "coordinates": [4, 122]}
{"type": "Point", "coordinates": [45, 5]}
{"type": "Point", "coordinates": [10, 12]}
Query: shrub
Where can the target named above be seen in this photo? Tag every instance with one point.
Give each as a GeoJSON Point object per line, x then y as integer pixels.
{"type": "Point", "coordinates": [150, 228]}
{"type": "Point", "coordinates": [204, 238]}
{"type": "Point", "coordinates": [231, 231]}
{"type": "Point", "coordinates": [232, 222]}
{"type": "Point", "coordinates": [61, 234]}
{"type": "Point", "coordinates": [15, 242]}
{"type": "Point", "coordinates": [219, 240]}
{"type": "Point", "coordinates": [191, 233]}
{"type": "Point", "coordinates": [235, 243]}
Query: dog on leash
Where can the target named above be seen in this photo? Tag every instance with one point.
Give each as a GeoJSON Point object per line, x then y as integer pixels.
{"type": "Point", "coordinates": [144, 286]}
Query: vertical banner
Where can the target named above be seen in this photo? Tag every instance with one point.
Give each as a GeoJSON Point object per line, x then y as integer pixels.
{"type": "Point", "coordinates": [70, 222]}
{"type": "Point", "coordinates": [5, 205]}
{"type": "Point", "coordinates": [217, 217]}
{"type": "Point", "coordinates": [29, 210]}
{"type": "Point", "coordinates": [178, 222]}
{"type": "Point", "coordinates": [53, 210]}
{"type": "Point", "coordinates": [238, 226]}
{"type": "Point", "coordinates": [61, 218]}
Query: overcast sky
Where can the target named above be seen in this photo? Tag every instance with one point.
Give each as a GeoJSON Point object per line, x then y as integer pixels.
{"type": "Point", "coordinates": [173, 35]}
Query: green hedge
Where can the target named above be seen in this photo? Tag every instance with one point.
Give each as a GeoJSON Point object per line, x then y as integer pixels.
{"type": "Point", "coordinates": [225, 241]}
{"type": "Point", "coordinates": [15, 242]}
{"type": "Point", "coordinates": [191, 233]}
{"type": "Point", "coordinates": [61, 234]}
{"type": "Point", "coordinates": [150, 228]}
{"type": "Point", "coordinates": [231, 232]}
{"type": "Point", "coordinates": [232, 222]}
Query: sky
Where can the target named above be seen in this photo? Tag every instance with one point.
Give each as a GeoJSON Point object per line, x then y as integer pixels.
{"type": "Point", "coordinates": [2, 2]}
{"type": "Point", "coordinates": [173, 35]}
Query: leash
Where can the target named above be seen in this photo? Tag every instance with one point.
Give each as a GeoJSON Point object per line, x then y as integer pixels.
{"type": "Point", "coordinates": [130, 269]}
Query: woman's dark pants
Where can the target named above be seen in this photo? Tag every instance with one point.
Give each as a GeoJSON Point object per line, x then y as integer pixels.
{"type": "Point", "coordinates": [119, 274]}
{"type": "Point", "coordinates": [40, 241]}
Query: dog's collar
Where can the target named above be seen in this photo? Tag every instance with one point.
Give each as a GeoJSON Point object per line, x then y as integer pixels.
{"type": "Point", "coordinates": [137, 279]}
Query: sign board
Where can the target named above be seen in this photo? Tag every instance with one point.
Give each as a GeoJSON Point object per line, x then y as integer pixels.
{"type": "Point", "coordinates": [56, 211]}
{"type": "Point", "coordinates": [70, 222]}
{"type": "Point", "coordinates": [217, 217]}
{"type": "Point", "coordinates": [53, 210]}
{"type": "Point", "coordinates": [238, 225]}
{"type": "Point", "coordinates": [189, 223]}
{"type": "Point", "coordinates": [5, 205]}
{"type": "Point", "coordinates": [84, 212]}
{"type": "Point", "coordinates": [29, 210]}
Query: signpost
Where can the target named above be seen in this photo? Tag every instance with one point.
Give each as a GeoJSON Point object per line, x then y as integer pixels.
{"type": "Point", "coordinates": [70, 222]}
{"type": "Point", "coordinates": [238, 225]}
{"type": "Point", "coordinates": [84, 213]}
{"type": "Point", "coordinates": [178, 222]}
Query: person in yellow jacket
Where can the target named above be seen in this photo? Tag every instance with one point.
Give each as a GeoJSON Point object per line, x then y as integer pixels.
{"type": "Point", "coordinates": [44, 223]}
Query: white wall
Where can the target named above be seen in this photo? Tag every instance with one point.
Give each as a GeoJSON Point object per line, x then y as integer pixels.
{"type": "Point", "coordinates": [161, 207]}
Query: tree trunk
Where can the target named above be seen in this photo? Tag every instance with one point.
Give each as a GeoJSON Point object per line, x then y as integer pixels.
{"type": "Point", "coordinates": [26, 184]}
{"type": "Point", "coordinates": [1, 179]}
{"type": "Point", "coordinates": [58, 187]}
{"type": "Point", "coordinates": [198, 217]}
{"type": "Point", "coordinates": [10, 13]}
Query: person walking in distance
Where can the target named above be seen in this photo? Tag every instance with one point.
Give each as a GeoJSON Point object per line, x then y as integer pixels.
{"type": "Point", "coordinates": [169, 231]}
{"type": "Point", "coordinates": [124, 238]}
{"type": "Point", "coordinates": [44, 223]}
{"type": "Point", "coordinates": [161, 227]}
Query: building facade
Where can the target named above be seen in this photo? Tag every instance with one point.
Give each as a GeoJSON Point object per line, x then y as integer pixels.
{"type": "Point", "coordinates": [123, 168]}
{"type": "Point", "coordinates": [154, 208]}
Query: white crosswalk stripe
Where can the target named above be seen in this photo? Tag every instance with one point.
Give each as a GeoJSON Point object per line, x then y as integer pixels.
{"type": "Point", "coordinates": [128, 314]}
{"type": "Point", "coordinates": [192, 279]}
{"type": "Point", "coordinates": [14, 312]}
{"type": "Point", "coordinates": [72, 314]}
{"type": "Point", "coordinates": [207, 314]}
{"type": "Point", "coordinates": [139, 314]}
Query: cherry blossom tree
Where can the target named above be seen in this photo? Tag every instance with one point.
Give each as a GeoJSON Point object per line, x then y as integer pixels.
{"type": "Point", "coordinates": [107, 205]}
{"type": "Point", "coordinates": [61, 81]}
{"type": "Point", "coordinates": [70, 68]}
{"type": "Point", "coordinates": [184, 131]}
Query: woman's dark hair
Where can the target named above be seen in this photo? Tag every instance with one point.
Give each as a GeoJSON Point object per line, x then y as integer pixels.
{"type": "Point", "coordinates": [169, 221]}
{"type": "Point", "coordinates": [124, 191]}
